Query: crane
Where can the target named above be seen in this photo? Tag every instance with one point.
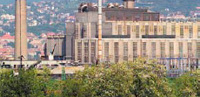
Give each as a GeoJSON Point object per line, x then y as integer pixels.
{"type": "Point", "coordinates": [51, 57]}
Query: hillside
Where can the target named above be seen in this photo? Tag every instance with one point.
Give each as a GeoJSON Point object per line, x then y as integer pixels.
{"type": "Point", "coordinates": [12, 1]}
{"type": "Point", "coordinates": [184, 6]}
{"type": "Point", "coordinates": [53, 17]}
{"type": "Point", "coordinates": [163, 6]}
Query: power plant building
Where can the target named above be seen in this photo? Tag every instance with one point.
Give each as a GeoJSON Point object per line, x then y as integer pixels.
{"type": "Point", "coordinates": [129, 33]}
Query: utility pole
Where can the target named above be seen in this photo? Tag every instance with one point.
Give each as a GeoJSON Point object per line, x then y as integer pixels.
{"type": "Point", "coordinates": [99, 31]}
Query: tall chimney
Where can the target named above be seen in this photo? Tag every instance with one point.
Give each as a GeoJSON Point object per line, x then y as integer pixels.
{"type": "Point", "coordinates": [20, 30]}
{"type": "Point", "coordinates": [129, 3]}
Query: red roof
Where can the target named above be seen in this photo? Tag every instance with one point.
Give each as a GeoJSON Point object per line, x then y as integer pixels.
{"type": "Point", "coordinates": [197, 7]}
{"type": "Point", "coordinates": [3, 50]}
{"type": "Point", "coordinates": [7, 36]}
{"type": "Point", "coordinates": [50, 34]}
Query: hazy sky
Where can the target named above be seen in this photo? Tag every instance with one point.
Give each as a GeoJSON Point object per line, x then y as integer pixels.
{"type": "Point", "coordinates": [13, 1]}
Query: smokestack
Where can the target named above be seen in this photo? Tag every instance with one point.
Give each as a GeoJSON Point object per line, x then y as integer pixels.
{"type": "Point", "coordinates": [20, 30]}
{"type": "Point", "coordinates": [129, 3]}
{"type": "Point", "coordinates": [100, 30]}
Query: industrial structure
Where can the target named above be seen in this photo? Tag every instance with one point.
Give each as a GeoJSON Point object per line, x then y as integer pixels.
{"type": "Point", "coordinates": [128, 33]}
{"type": "Point", "coordinates": [115, 33]}
{"type": "Point", "coordinates": [117, 21]}
{"type": "Point", "coordinates": [20, 31]}
{"type": "Point", "coordinates": [55, 48]}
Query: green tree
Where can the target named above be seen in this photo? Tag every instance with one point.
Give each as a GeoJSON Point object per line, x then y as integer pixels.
{"type": "Point", "coordinates": [51, 87]}
{"type": "Point", "coordinates": [149, 79]}
{"type": "Point", "coordinates": [188, 85]}
{"type": "Point", "coordinates": [139, 78]}
{"type": "Point", "coordinates": [26, 84]}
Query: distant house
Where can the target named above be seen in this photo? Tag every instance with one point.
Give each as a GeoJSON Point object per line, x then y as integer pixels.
{"type": "Point", "coordinates": [7, 37]}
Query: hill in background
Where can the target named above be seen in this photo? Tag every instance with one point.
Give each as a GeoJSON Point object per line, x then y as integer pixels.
{"type": "Point", "coordinates": [163, 6]}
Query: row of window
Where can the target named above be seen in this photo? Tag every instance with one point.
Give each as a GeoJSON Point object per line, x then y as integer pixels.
{"type": "Point", "coordinates": [156, 29]}
{"type": "Point", "coordinates": [144, 50]}
{"type": "Point", "coordinates": [171, 50]}
{"type": "Point", "coordinates": [145, 28]}
{"type": "Point", "coordinates": [86, 52]}
{"type": "Point", "coordinates": [134, 54]}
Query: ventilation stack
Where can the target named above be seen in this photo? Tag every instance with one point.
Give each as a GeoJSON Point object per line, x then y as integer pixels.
{"type": "Point", "coordinates": [129, 3]}
{"type": "Point", "coordinates": [100, 30]}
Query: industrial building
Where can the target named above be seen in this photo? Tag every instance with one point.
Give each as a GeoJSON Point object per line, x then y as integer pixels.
{"type": "Point", "coordinates": [128, 33]}
{"type": "Point", "coordinates": [55, 47]}
{"type": "Point", "coordinates": [84, 32]}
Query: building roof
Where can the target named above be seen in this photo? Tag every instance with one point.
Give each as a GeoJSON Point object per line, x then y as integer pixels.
{"type": "Point", "coordinates": [68, 70]}
{"type": "Point", "coordinates": [3, 50]}
{"type": "Point", "coordinates": [128, 0]}
{"type": "Point", "coordinates": [115, 12]}
{"type": "Point", "coordinates": [50, 33]}
{"type": "Point", "coordinates": [7, 36]}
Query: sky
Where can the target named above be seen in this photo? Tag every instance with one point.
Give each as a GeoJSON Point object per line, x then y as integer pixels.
{"type": "Point", "coordinates": [13, 1]}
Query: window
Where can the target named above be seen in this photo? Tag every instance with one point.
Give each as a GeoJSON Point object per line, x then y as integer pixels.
{"type": "Point", "coordinates": [79, 51]}
{"type": "Point", "coordinates": [190, 31]}
{"type": "Point", "coordinates": [146, 30]}
{"type": "Point", "coordinates": [144, 49]}
{"type": "Point", "coordinates": [93, 52]}
{"type": "Point", "coordinates": [106, 51]}
{"type": "Point", "coordinates": [156, 17]}
{"type": "Point", "coordinates": [134, 50]}
{"type": "Point", "coordinates": [137, 17]}
{"type": "Point", "coordinates": [125, 51]}
{"type": "Point", "coordinates": [147, 18]}
{"type": "Point", "coordinates": [190, 49]}
{"type": "Point", "coordinates": [164, 30]}
{"type": "Point", "coordinates": [181, 32]}
{"type": "Point", "coordinates": [162, 49]}
{"type": "Point", "coordinates": [198, 31]}
{"type": "Point", "coordinates": [86, 52]}
{"type": "Point", "coordinates": [119, 29]}
{"type": "Point", "coordinates": [153, 48]}
{"type": "Point", "coordinates": [171, 49]}
{"type": "Point", "coordinates": [173, 29]}
{"type": "Point", "coordinates": [155, 30]}
{"type": "Point", "coordinates": [180, 49]}
{"type": "Point", "coordinates": [116, 50]}
{"type": "Point", "coordinates": [85, 31]}
{"type": "Point", "coordinates": [137, 30]}
{"type": "Point", "coordinates": [198, 50]}
{"type": "Point", "coordinates": [128, 29]}
{"type": "Point", "coordinates": [76, 32]}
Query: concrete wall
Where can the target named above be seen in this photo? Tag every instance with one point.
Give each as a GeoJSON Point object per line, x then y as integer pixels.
{"type": "Point", "coordinates": [88, 17]}
{"type": "Point", "coordinates": [70, 35]}
{"type": "Point", "coordinates": [60, 42]}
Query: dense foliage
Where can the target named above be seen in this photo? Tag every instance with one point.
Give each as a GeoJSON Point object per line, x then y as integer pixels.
{"type": "Point", "coordinates": [137, 79]}
{"type": "Point", "coordinates": [26, 84]}
{"type": "Point", "coordinates": [131, 79]}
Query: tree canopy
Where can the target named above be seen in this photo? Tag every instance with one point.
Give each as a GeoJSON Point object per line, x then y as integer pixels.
{"type": "Point", "coordinates": [140, 78]}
